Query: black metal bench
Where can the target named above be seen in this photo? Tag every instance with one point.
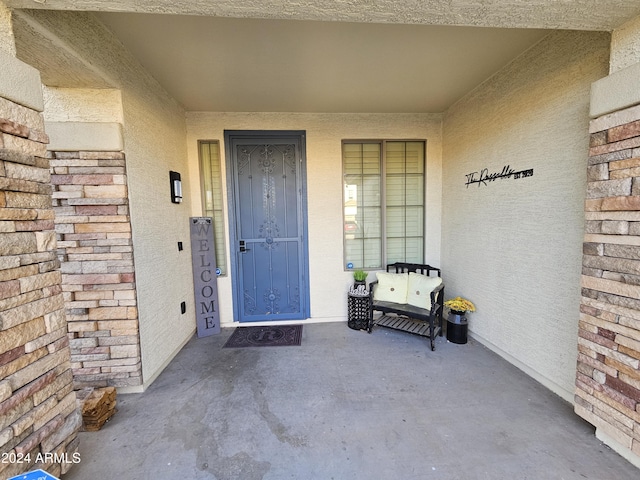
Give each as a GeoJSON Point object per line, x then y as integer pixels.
{"type": "Point", "coordinates": [405, 317]}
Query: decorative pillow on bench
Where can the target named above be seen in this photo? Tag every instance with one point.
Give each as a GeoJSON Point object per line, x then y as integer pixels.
{"type": "Point", "coordinates": [420, 288]}
{"type": "Point", "coordinates": [412, 288]}
{"type": "Point", "coordinates": [392, 287]}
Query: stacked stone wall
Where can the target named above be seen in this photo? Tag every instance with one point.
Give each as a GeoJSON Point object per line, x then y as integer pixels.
{"type": "Point", "coordinates": [39, 419]}
{"type": "Point", "coordinates": [608, 370]}
{"type": "Point", "coordinates": [96, 253]}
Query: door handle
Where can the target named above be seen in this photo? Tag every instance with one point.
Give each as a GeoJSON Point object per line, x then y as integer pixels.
{"type": "Point", "coordinates": [243, 247]}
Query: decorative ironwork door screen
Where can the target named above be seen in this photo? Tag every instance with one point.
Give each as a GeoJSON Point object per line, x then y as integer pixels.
{"type": "Point", "coordinates": [269, 229]}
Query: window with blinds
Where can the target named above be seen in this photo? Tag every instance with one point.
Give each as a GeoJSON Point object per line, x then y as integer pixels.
{"type": "Point", "coordinates": [384, 209]}
{"type": "Point", "coordinates": [211, 188]}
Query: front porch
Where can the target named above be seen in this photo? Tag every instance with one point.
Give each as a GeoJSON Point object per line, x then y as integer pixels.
{"type": "Point", "coordinates": [345, 404]}
{"type": "Point", "coordinates": [554, 277]}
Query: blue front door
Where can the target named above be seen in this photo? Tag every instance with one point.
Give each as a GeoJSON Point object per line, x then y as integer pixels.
{"type": "Point", "coordinates": [268, 229]}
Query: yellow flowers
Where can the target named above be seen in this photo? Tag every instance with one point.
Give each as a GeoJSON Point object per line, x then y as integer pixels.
{"type": "Point", "coordinates": [460, 304]}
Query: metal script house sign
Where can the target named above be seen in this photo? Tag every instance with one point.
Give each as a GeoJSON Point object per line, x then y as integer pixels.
{"type": "Point", "coordinates": [203, 258]}
{"type": "Point", "coordinates": [484, 176]}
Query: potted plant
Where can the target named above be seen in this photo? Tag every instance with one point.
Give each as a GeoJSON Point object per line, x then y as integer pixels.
{"type": "Point", "coordinates": [457, 324]}
{"type": "Point", "coordinates": [460, 305]}
{"type": "Point", "coordinates": [360, 277]}
{"type": "Point", "coordinates": [358, 306]}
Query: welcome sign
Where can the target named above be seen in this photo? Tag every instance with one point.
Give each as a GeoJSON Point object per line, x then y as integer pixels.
{"type": "Point", "coordinates": [203, 259]}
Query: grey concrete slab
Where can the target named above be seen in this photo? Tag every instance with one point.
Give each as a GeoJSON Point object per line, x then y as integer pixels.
{"type": "Point", "coordinates": [345, 405]}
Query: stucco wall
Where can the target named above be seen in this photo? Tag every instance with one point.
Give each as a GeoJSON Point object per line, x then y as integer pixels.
{"type": "Point", "coordinates": [324, 132]}
{"type": "Point", "coordinates": [7, 43]}
{"type": "Point", "coordinates": [625, 45]}
{"type": "Point", "coordinates": [82, 105]}
{"type": "Point", "coordinates": [154, 144]}
{"type": "Point", "coordinates": [514, 246]}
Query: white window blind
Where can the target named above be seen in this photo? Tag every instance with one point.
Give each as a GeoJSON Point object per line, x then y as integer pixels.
{"type": "Point", "coordinates": [383, 202]}
{"type": "Point", "coordinates": [211, 179]}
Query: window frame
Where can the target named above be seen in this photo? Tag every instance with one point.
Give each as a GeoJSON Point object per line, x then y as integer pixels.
{"type": "Point", "coordinates": [219, 229]}
{"type": "Point", "coordinates": [383, 197]}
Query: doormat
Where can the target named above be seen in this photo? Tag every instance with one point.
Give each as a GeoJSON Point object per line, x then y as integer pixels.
{"type": "Point", "coordinates": [272, 336]}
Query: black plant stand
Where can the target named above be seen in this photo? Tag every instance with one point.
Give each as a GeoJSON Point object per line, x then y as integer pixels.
{"type": "Point", "coordinates": [358, 315]}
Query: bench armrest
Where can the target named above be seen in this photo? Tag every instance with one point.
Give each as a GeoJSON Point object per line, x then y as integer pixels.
{"type": "Point", "coordinates": [437, 301]}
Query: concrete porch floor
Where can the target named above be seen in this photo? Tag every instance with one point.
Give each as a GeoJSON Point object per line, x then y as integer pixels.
{"type": "Point", "coordinates": [345, 405]}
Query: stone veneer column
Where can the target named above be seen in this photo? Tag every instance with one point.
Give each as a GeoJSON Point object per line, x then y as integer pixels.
{"type": "Point", "coordinates": [608, 375]}
{"type": "Point", "coordinates": [38, 413]}
{"type": "Point", "coordinates": [96, 253]}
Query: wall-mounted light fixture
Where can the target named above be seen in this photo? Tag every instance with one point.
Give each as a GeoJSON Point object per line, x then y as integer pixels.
{"type": "Point", "coordinates": [176, 187]}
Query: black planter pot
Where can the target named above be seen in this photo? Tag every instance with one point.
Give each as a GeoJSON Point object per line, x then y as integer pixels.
{"type": "Point", "coordinates": [457, 327]}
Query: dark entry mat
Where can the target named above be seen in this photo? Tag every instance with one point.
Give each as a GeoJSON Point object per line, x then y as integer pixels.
{"type": "Point", "coordinates": [272, 336]}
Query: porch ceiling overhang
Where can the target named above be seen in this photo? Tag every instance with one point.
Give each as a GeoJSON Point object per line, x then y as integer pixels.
{"type": "Point", "coordinates": [547, 14]}
{"type": "Point", "coordinates": [401, 56]}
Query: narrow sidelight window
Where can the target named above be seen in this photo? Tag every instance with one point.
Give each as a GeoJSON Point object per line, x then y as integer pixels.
{"type": "Point", "coordinates": [211, 180]}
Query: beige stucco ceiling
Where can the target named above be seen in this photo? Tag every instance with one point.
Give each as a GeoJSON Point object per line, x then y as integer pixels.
{"type": "Point", "coordinates": [224, 64]}
{"type": "Point", "coordinates": [320, 55]}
